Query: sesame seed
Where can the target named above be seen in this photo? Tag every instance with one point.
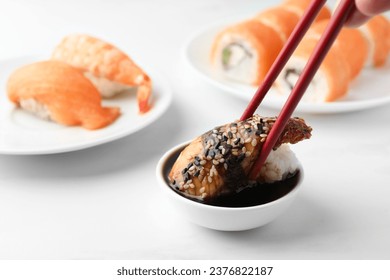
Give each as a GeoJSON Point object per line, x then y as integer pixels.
{"type": "Point", "coordinates": [186, 186]}
{"type": "Point", "coordinates": [248, 140]}
{"type": "Point", "coordinates": [210, 180]}
{"type": "Point", "coordinates": [225, 166]}
{"type": "Point", "coordinates": [192, 186]}
{"type": "Point", "coordinates": [243, 149]}
{"type": "Point", "coordinates": [215, 162]}
{"type": "Point", "coordinates": [204, 195]}
{"type": "Point", "coordinates": [202, 162]}
{"type": "Point", "coordinates": [221, 160]}
{"type": "Point", "coordinates": [263, 135]}
{"type": "Point", "coordinates": [202, 189]}
{"type": "Point", "coordinates": [192, 168]}
{"type": "Point", "coordinates": [254, 142]}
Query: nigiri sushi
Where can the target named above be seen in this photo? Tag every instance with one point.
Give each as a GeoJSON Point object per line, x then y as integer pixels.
{"type": "Point", "coordinates": [56, 91]}
{"type": "Point", "coordinates": [218, 162]}
{"type": "Point", "coordinates": [108, 68]}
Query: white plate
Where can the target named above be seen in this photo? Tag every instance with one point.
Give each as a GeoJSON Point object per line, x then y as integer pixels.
{"type": "Point", "coordinates": [24, 134]}
{"type": "Point", "coordinates": [370, 89]}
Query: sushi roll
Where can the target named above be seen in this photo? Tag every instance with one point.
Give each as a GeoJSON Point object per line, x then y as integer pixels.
{"type": "Point", "coordinates": [245, 52]}
{"type": "Point", "coordinates": [331, 80]}
{"type": "Point", "coordinates": [351, 44]}
{"type": "Point", "coordinates": [58, 92]}
{"type": "Point", "coordinates": [299, 7]}
{"type": "Point", "coordinates": [107, 67]}
{"type": "Point", "coordinates": [282, 20]}
{"type": "Point", "coordinates": [218, 162]}
{"type": "Point", "coordinates": [377, 34]}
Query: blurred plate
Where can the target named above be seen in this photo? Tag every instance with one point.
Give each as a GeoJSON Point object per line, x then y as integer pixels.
{"type": "Point", "coordinates": [369, 90]}
{"type": "Point", "coordinates": [22, 133]}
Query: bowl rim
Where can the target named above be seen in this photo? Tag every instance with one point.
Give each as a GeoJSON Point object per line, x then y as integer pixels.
{"type": "Point", "coordinates": [166, 188]}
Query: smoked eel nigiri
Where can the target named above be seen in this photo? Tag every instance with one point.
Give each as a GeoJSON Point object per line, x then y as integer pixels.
{"type": "Point", "coordinates": [108, 68]}
{"type": "Point", "coordinates": [218, 162]}
{"type": "Point", "coordinates": [56, 91]}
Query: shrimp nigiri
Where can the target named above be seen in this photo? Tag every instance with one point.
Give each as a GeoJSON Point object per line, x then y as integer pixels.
{"type": "Point", "coordinates": [108, 68]}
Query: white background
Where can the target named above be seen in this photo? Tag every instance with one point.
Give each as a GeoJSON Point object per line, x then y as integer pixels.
{"type": "Point", "coordinates": [104, 203]}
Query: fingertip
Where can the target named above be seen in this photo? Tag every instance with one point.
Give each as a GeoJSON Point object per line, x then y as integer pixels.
{"type": "Point", "coordinates": [356, 19]}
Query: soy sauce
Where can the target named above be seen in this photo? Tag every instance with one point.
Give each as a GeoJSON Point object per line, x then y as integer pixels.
{"type": "Point", "coordinates": [257, 194]}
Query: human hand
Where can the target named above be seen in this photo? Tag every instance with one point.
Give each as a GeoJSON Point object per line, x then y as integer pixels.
{"type": "Point", "coordinates": [365, 9]}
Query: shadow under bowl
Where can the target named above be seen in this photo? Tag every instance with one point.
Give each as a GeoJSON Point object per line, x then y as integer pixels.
{"type": "Point", "coordinates": [222, 217]}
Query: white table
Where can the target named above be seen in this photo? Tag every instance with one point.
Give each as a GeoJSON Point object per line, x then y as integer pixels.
{"type": "Point", "coordinates": [104, 203]}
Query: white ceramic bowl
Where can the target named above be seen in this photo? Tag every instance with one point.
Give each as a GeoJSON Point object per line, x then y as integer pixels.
{"type": "Point", "coordinates": [217, 217]}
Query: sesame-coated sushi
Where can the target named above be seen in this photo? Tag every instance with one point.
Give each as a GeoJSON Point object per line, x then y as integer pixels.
{"type": "Point", "coordinates": [218, 162]}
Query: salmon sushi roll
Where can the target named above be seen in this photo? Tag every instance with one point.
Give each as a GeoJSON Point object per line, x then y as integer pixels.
{"type": "Point", "coordinates": [58, 92]}
{"type": "Point", "coordinates": [330, 82]}
{"type": "Point", "coordinates": [299, 7]}
{"type": "Point", "coordinates": [282, 20]}
{"type": "Point", "coordinates": [245, 52]}
{"type": "Point", "coordinates": [351, 44]}
{"type": "Point", "coordinates": [377, 34]}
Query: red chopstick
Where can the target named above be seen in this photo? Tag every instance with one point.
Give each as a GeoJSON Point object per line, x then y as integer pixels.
{"type": "Point", "coordinates": [328, 37]}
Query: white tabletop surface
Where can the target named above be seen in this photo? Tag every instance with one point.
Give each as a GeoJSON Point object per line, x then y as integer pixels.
{"type": "Point", "coordinates": [104, 203]}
